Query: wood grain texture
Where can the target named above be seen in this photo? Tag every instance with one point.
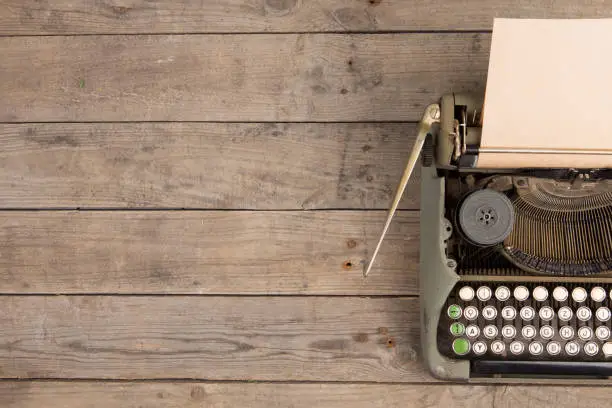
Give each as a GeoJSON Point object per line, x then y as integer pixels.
{"type": "Point", "coordinates": [211, 252]}
{"type": "Point", "coordinates": [204, 165]}
{"type": "Point", "coordinates": [259, 77]}
{"type": "Point", "coordinates": [196, 16]}
{"type": "Point", "coordinates": [213, 338]}
{"type": "Point", "coordinates": [221, 395]}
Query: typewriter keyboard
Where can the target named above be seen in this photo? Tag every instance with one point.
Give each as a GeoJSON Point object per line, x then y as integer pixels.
{"type": "Point", "coordinates": [527, 321]}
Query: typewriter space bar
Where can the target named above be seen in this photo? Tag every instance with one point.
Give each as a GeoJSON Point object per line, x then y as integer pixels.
{"type": "Point", "coordinates": [487, 368]}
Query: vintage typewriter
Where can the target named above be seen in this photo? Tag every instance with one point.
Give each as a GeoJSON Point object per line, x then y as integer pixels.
{"type": "Point", "coordinates": [515, 263]}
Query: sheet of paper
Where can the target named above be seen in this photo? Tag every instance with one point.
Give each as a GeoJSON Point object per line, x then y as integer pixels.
{"type": "Point", "coordinates": [549, 86]}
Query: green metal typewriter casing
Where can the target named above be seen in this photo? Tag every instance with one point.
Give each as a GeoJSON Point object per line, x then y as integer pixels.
{"type": "Point", "coordinates": [556, 250]}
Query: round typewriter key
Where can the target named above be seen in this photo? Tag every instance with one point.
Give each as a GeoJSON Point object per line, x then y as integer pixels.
{"type": "Point", "coordinates": [461, 346]}
{"type": "Point", "coordinates": [566, 333]}
{"type": "Point", "coordinates": [466, 293]}
{"type": "Point", "coordinates": [540, 293]}
{"type": "Point", "coordinates": [508, 331]}
{"type": "Point", "coordinates": [457, 329]}
{"type": "Point", "coordinates": [560, 294]}
{"type": "Point", "coordinates": [483, 293]}
{"type": "Point", "coordinates": [454, 311]}
{"type": "Point", "coordinates": [490, 331]}
{"type": "Point", "coordinates": [583, 313]}
{"type": "Point", "coordinates": [521, 293]}
{"type": "Point", "coordinates": [527, 313]}
{"type": "Point", "coordinates": [508, 313]}
{"type": "Point", "coordinates": [516, 347]}
{"type": "Point", "coordinates": [579, 294]}
{"type": "Point", "coordinates": [598, 294]}
{"type": "Point", "coordinates": [572, 348]}
{"type": "Point", "coordinates": [547, 332]}
{"type": "Point", "coordinates": [528, 332]}
{"type": "Point", "coordinates": [502, 293]}
{"type": "Point", "coordinates": [565, 313]}
{"type": "Point", "coordinates": [489, 312]}
{"type": "Point", "coordinates": [486, 217]}
{"type": "Point", "coordinates": [536, 348]}
{"type": "Point", "coordinates": [546, 313]}
{"type": "Point", "coordinates": [602, 333]}
{"type": "Point", "coordinates": [591, 348]}
{"type": "Point", "coordinates": [585, 333]}
{"type": "Point", "coordinates": [498, 347]}
{"type": "Point", "coordinates": [479, 348]}
{"type": "Point", "coordinates": [470, 312]}
{"type": "Point", "coordinates": [472, 331]}
{"type": "Point", "coordinates": [553, 348]}
{"type": "Point", "coordinates": [603, 314]}
{"type": "Point", "coordinates": [607, 349]}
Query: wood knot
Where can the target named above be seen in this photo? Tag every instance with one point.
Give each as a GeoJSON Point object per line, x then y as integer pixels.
{"type": "Point", "coordinates": [280, 7]}
{"type": "Point", "coordinates": [351, 243]}
{"type": "Point", "coordinates": [390, 342]}
{"type": "Point", "coordinates": [120, 10]}
{"type": "Point", "coordinates": [374, 2]}
{"type": "Point", "coordinates": [198, 393]}
{"type": "Point", "coordinates": [347, 265]}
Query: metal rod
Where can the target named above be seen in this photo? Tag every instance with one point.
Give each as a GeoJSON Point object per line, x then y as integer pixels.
{"type": "Point", "coordinates": [544, 151]}
{"type": "Point", "coordinates": [430, 116]}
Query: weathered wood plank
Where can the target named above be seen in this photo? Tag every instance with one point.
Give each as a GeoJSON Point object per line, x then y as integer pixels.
{"type": "Point", "coordinates": [204, 165]}
{"type": "Point", "coordinates": [257, 77]}
{"type": "Point", "coordinates": [191, 395]}
{"type": "Point", "coordinates": [214, 338]}
{"type": "Point", "coordinates": [210, 252]}
{"type": "Point", "coordinates": [192, 16]}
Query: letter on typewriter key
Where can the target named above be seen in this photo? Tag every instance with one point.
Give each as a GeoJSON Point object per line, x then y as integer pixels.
{"type": "Point", "coordinates": [508, 313]}
{"type": "Point", "coordinates": [602, 333]}
{"type": "Point", "coordinates": [585, 333]}
{"type": "Point", "coordinates": [498, 347]}
{"type": "Point", "coordinates": [591, 348]}
{"type": "Point", "coordinates": [527, 313]}
{"type": "Point", "coordinates": [553, 348]}
{"type": "Point", "coordinates": [483, 293]}
{"type": "Point", "coordinates": [566, 332]}
{"type": "Point", "coordinates": [603, 314]}
{"type": "Point", "coordinates": [479, 348]}
{"type": "Point", "coordinates": [529, 332]}
{"type": "Point", "coordinates": [472, 331]}
{"type": "Point", "coordinates": [490, 331]}
{"type": "Point", "coordinates": [565, 313]}
{"type": "Point", "coordinates": [572, 348]}
{"type": "Point", "coordinates": [583, 313]}
{"type": "Point", "coordinates": [502, 293]}
{"type": "Point", "coordinates": [536, 348]}
{"type": "Point", "coordinates": [470, 313]}
{"type": "Point", "coordinates": [547, 332]}
{"type": "Point", "coordinates": [546, 313]}
{"type": "Point", "coordinates": [489, 312]}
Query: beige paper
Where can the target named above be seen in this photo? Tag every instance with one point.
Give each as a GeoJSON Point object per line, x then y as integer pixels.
{"type": "Point", "coordinates": [549, 86]}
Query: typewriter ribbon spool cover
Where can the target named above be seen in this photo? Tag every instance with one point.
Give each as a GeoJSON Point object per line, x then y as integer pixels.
{"type": "Point", "coordinates": [548, 95]}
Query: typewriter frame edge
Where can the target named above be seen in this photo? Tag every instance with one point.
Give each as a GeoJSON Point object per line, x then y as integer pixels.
{"type": "Point", "coordinates": [437, 276]}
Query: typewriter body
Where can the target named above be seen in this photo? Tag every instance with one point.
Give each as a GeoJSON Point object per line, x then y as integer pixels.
{"type": "Point", "coordinates": [515, 263]}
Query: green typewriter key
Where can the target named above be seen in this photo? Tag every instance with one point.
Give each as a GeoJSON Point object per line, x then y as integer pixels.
{"type": "Point", "coordinates": [461, 346]}
{"type": "Point", "coordinates": [454, 311]}
{"type": "Point", "coordinates": [457, 329]}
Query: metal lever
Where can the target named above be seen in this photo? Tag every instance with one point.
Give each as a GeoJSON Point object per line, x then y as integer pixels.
{"type": "Point", "coordinates": [430, 116]}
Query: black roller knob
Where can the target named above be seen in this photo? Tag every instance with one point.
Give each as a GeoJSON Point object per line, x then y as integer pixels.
{"type": "Point", "coordinates": [486, 217]}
